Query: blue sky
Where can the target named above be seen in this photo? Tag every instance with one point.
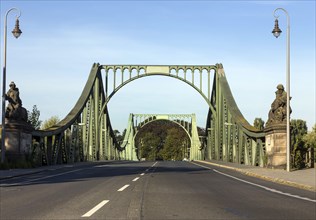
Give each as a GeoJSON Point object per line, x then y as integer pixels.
{"type": "Point", "coordinates": [51, 61]}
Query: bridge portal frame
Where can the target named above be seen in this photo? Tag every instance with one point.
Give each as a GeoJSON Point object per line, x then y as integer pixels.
{"type": "Point", "coordinates": [186, 121]}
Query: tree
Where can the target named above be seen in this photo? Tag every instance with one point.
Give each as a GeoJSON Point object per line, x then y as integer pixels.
{"type": "Point", "coordinates": [33, 118]}
{"type": "Point", "coordinates": [119, 137]}
{"type": "Point", "coordinates": [259, 124]}
{"type": "Point", "coordinates": [298, 149]}
{"type": "Point", "coordinates": [155, 140]}
{"type": "Point", "coordinates": [50, 122]}
{"type": "Point", "coordinates": [173, 147]}
{"type": "Point", "coordinates": [310, 140]}
{"type": "Point", "coordinates": [149, 146]}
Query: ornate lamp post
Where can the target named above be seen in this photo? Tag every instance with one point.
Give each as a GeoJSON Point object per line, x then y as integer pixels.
{"type": "Point", "coordinates": [276, 32]}
{"type": "Point", "coordinates": [16, 33]}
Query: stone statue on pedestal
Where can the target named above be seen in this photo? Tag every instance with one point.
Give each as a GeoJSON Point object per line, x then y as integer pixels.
{"type": "Point", "coordinates": [14, 109]}
{"type": "Point", "coordinates": [275, 130]}
{"type": "Point", "coordinates": [277, 114]}
{"type": "Point", "coordinates": [18, 134]}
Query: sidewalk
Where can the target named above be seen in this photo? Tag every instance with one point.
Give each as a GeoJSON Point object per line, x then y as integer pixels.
{"type": "Point", "coordinates": [303, 179]}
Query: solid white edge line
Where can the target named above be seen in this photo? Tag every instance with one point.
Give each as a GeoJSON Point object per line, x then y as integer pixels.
{"type": "Point", "coordinates": [124, 187]}
{"type": "Point", "coordinates": [135, 179]}
{"type": "Point", "coordinates": [96, 208]}
{"type": "Point", "coordinates": [260, 186]}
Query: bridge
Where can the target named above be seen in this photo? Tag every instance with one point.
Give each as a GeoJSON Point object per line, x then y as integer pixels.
{"type": "Point", "coordinates": [86, 133]}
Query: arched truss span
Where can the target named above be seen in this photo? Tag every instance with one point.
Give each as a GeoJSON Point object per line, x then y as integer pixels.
{"type": "Point", "coordinates": [137, 121]}
{"type": "Point", "coordinates": [86, 132]}
{"type": "Point", "coordinates": [192, 75]}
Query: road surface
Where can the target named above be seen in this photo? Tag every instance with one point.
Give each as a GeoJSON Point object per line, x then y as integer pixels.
{"type": "Point", "coordinates": [150, 190]}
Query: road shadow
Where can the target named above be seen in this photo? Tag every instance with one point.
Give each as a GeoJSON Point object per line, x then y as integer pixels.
{"type": "Point", "coordinates": [105, 169]}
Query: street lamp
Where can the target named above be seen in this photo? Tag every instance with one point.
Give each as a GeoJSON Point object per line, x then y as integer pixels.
{"type": "Point", "coordinates": [276, 32]}
{"type": "Point", "coordinates": [16, 33]}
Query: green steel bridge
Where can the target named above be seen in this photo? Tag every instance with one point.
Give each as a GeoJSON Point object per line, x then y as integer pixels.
{"type": "Point", "coordinates": [86, 134]}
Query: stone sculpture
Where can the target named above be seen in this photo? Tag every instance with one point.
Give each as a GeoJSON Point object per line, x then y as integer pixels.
{"type": "Point", "coordinates": [277, 114]}
{"type": "Point", "coordinates": [14, 109]}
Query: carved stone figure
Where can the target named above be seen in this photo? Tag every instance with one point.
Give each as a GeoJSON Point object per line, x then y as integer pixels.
{"type": "Point", "coordinates": [14, 109]}
{"type": "Point", "coordinates": [277, 114]}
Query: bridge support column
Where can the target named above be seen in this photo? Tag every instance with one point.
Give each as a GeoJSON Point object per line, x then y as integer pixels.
{"type": "Point", "coordinates": [128, 142]}
{"type": "Point", "coordinates": [196, 152]}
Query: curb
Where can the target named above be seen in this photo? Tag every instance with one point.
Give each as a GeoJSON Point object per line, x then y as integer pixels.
{"type": "Point", "coordinates": [271, 179]}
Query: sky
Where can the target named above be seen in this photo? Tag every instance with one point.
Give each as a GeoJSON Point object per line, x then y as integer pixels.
{"type": "Point", "coordinates": [51, 61]}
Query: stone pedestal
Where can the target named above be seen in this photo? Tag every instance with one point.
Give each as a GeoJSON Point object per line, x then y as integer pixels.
{"type": "Point", "coordinates": [18, 140]}
{"type": "Point", "coordinates": [276, 146]}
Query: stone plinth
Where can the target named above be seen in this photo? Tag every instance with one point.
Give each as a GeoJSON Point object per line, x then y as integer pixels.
{"type": "Point", "coordinates": [18, 140]}
{"type": "Point", "coordinates": [276, 146]}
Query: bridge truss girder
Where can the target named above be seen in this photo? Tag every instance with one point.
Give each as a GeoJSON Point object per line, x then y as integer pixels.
{"type": "Point", "coordinates": [86, 133]}
{"type": "Point", "coordinates": [229, 136]}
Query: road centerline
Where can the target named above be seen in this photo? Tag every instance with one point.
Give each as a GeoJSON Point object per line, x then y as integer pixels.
{"type": "Point", "coordinates": [123, 188]}
{"type": "Point", "coordinates": [135, 179]}
{"type": "Point", "coordinates": [96, 208]}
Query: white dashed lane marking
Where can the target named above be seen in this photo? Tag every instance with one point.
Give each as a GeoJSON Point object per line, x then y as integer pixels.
{"type": "Point", "coordinates": [123, 188]}
{"type": "Point", "coordinates": [135, 179]}
{"type": "Point", "coordinates": [96, 208]}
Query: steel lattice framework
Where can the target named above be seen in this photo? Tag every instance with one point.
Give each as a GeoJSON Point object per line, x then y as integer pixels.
{"type": "Point", "coordinates": [86, 132]}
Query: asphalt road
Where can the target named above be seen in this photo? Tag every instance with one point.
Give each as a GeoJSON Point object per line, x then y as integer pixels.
{"type": "Point", "coordinates": [150, 190]}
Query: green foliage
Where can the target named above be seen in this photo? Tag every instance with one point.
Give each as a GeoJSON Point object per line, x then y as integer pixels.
{"type": "Point", "coordinates": [50, 122]}
{"type": "Point", "coordinates": [174, 147]}
{"type": "Point", "coordinates": [33, 118]}
{"type": "Point", "coordinates": [119, 137]}
{"type": "Point", "coordinates": [258, 123]}
{"type": "Point", "coordinates": [298, 146]}
{"type": "Point", "coordinates": [149, 146]}
{"type": "Point", "coordinates": [310, 140]}
{"type": "Point", "coordinates": [162, 140]}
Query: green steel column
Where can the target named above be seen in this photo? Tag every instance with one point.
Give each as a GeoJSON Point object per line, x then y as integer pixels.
{"type": "Point", "coordinates": [49, 146]}
{"type": "Point", "coordinates": [240, 137]}
{"type": "Point", "coordinates": [253, 152]}
{"type": "Point", "coordinates": [104, 133]}
{"type": "Point", "coordinates": [195, 141]}
{"type": "Point", "coordinates": [84, 134]}
{"type": "Point", "coordinates": [234, 144]}
{"type": "Point", "coordinates": [90, 133]}
{"type": "Point", "coordinates": [246, 152]}
{"type": "Point", "coordinates": [261, 153]}
{"type": "Point", "coordinates": [218, 116]}
{"type": "Point", "coordinates": [109, 144]}
{"type": "Point", "coordinates": [96, 118]}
